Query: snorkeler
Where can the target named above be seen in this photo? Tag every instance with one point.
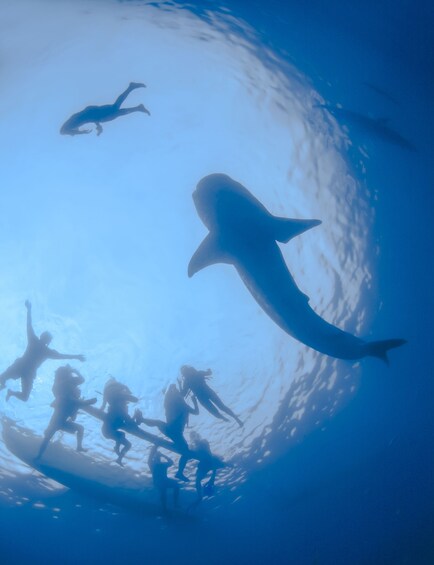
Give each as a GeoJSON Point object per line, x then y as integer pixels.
{"type": "Point", "coordinates": [117, 396]}
{"type": "Point", "coordinates": [158, 465]}
{"type": "Point", "coordinates": [177, 412]}
{"type": "Point", "coordinates": [98, 114]}
{"type": "Point", "coordinates": [207, 462]}
{"type": "Point", "coordinates": [195, 381]}
{"type": "Point", "coordinates": [66, 405]}
{"type": "Point", "coordinates": [36, 353]}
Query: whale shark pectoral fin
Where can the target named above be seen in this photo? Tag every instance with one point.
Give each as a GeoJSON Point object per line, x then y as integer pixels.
{"type": "Point", "coordinates": [285, 229]}
{"type": "Point", "coordinates": [208, 253]}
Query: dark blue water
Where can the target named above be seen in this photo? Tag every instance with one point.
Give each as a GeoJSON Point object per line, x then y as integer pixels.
{"type": "Point", "coordinates": [359, 488]}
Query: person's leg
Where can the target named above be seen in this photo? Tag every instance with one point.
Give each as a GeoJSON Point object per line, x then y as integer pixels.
{"type": "Point", "coordinates": [208, 405]}
{"type": "Point", "coordinates": [72, 428]}
{"type": "Point", "coordinates": [49, 433]}
{"type": "Point", "coordinates": [11, 372]}
{"type": "Point", "coordinates": [172, 484]}
{"type": "Point", "coordinates": [162, 426]}
{"type": "Point", "coordinates": [181, 466]}
{"type": "Point", "coordinates": [215, 399]}
{"type": "Point", "coordinates": [125, 111]}
{"type": "Point", "coordinates": [126, 447]}
{"type": "Point", "coordinates": [26, 389]}
{"type": "Point", "coordinates": [198, 484]}
{"type": "Point", "coordinates": [150, 422]}
{"type": "Point", "coordinates": [112, 433]}
{"type": "Point", "coordinates": [209, 485]}
{"type": "Point", "coordinates": [132, 86]}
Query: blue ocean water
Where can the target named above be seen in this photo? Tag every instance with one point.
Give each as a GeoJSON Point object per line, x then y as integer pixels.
{"type": "Point", "coordinates": [336, 462]}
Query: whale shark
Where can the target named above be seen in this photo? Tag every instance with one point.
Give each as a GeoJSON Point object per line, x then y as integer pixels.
{"type": "Point", "coordinates": [243, 233]}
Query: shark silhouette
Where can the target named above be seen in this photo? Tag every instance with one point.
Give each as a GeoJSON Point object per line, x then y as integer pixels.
{"type": "Point", "coordinates": [244, 234]}
{"type": "Point", "coordinates": [378, 127]}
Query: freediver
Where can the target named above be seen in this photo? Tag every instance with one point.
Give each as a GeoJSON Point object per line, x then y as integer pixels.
{"type": "Point", "coordinates": [67, 403]}
{"type": "Point", "coordinates": [195, 381]}
{"type": "Point", "coordinates": [26, 366]}
{"type": "Point", "coordinates": [98, 114]}
{"type": "Point", "coordinates": [177, 413]}
{"type": "Point", "coordinates": [207, 462]}
{"type": "Point", "coordinates": [117, 396]}
{"type": "Point", "coordinates": [158, 465]}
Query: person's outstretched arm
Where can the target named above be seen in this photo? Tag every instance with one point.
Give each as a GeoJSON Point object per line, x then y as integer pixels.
{"type": "Point", "coordinates": [77, 377]}
{"type": "Point", "coordinates": [30, 331]}
{"type": "Point", "coordinates": [56, 355]}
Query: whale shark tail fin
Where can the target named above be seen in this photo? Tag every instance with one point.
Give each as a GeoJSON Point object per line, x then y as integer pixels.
{"type": "Point", "coordinates": [380, 348]}
{"type": "Point", "coordinates": [285, 229]}
{"type": "Point", "coordinates": [208, 253]}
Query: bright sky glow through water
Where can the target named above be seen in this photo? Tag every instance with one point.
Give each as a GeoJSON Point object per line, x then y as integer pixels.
{"type": "Point", "coordinates": [101, 229]}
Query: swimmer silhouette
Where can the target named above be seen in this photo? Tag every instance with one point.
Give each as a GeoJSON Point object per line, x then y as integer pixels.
{"type": "Point", "coordinates": [244, 234]}
{"type": "Point", "coordinates": [177, 414]}
{"type": "Point", "coordinates": [207, 462]}
{"type": "Point", "coordinates": [66, 405]}
{"type": "Point", "coordinates": [98, 114]}
{"type": "Point", "coordinates": [195, 381]}
{"type": "Point", "coordinates": [36, 353]}
{"type": "Point", "coordinates": [158, 465]}
{"type": "Point", "coordinates": [117, 396]}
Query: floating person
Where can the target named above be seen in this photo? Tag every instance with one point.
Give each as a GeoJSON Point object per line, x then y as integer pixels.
{"type": "Point", "coordinates": [195, 381]}
{"type": "Point", "coordinates": [98, 114]}
{"type": "Point", "coordinates": [67, 403]}
{"type": "Point", "coordinates": [244, 234]}
{"type": "Point", "coordinates": [177, 413]}
{"type": "Point", "coordinates": [117, 396]}
{"type": "Point", "coordinates": [208, 463]}
{"type": "Point", "coordinates": [158, 465]}
{"type": "Point", "coordinates": [25, 367]}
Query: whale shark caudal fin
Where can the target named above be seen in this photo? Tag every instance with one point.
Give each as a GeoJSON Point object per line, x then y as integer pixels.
{"type": "Point", "coordinates": [380, 348]}
{"type": "Point", "coordinates": [208, 253]}
{"type": "Point", "coordinates": [284, 229]}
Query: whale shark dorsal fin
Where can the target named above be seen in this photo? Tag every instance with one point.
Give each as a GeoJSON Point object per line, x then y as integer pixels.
{"type": "Point", "coordinates": [285, 229]}
{"type": "Point", "coordinates": [208, 253]}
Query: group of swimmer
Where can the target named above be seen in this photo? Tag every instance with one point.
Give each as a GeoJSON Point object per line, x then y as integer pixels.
{"type": "Point", "coordinates": [231, 214]}
{"type": "Point", "coordinates": [115, 416]}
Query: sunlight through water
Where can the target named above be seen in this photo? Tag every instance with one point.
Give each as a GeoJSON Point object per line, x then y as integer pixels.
{"type": "Point", "coordinates": [101, 228]}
